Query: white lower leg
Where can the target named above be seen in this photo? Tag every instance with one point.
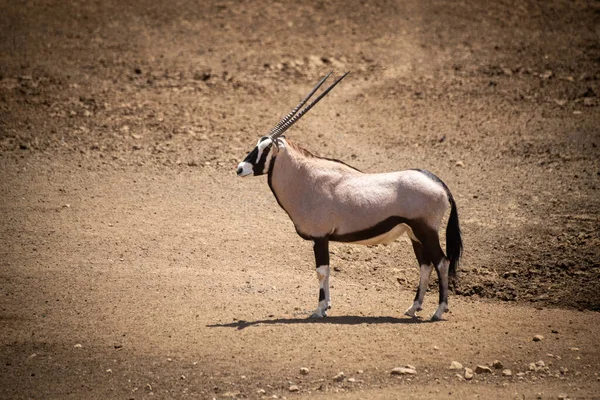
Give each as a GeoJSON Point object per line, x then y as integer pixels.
{"type": "Point", "coordinates": [442, 308]}
{"type": "Point", "coordinates": [326, 285]}
{"type": "Point", "coordinates": [423, 284]}
{"type": "Point", "coordinates": [443, 278]}
{"type": "Point", "coordinates": [324, 302]}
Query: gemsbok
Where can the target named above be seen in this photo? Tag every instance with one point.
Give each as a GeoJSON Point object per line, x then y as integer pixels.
{"type": "Point", "coordinates": [328, 200]}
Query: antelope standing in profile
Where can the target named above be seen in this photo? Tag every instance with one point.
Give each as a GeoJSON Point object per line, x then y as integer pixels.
{"type": "Point", "coordinates": [328, 200]}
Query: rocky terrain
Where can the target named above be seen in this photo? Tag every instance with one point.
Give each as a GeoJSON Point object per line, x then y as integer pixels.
{"type": "Point", "coordinates": [134, 263]}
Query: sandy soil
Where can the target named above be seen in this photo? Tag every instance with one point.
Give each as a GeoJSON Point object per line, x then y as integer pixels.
{"type": "Point", "coordinates": [135, 264]}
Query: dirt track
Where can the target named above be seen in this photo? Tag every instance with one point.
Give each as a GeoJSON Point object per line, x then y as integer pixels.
{"type": "Point", "coordinates": [135, 263]}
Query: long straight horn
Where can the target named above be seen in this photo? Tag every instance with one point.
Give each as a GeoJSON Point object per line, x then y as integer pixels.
{"type": "Point", "coordinates": [280, 130]}
{"type": "Point", "coordinates": [295, 110]}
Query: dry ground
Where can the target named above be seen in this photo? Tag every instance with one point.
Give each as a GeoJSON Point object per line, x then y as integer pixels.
{"type": "Point", "coordinates": [135, 264]}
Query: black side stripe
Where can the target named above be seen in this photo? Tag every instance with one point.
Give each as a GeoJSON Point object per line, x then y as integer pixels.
{"type": "Point", "coordinates": [376, 230]}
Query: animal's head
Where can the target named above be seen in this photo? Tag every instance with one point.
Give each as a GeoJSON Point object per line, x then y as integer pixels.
{"type": "Point", "coordinates": [258, 161]}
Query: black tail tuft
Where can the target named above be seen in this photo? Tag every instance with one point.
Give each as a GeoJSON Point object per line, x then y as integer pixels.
{"type": "Point", "coordinates": [454, 244]}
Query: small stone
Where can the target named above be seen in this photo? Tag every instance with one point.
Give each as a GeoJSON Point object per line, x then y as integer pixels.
{"type": "Point", "coordinates": [532, 367]}
{"type": "Point", "coordinates": [232, 395]}
{"type": "Point", "coordinates": [304, 371]}
{"type": "Point", "coordinates": [540, 364]}
{"type": "Point", "coordinates": [547, 74]}
{"type": "Point", "coordinates": [261, 391]}
{"type": "Point", "coordinates": [339, 377]}
{"type": "Point", "coordinates": [78, 346]}
{"type": "Point", "coordinates": [563, 396]}
{"type": "Point", "coordinates": [455, 365]}
{"type": "Point", "coordinates": [460, 164]}
{"type": "Point", "coordinates": [360, 371]}
{"type": "Point", "coordinates": [351, 380]}
{"type": "Point", "coordinates": [468, 374]}
{"type": "Point", "coordinates": [483, 369]}
{"type": "Point", "coordinates": [560, 102]}
{"type": "Point", "coordinates": [538, 338]}
{"type": "Point", "coordinates": [497, 364]}
{"type": "Point", "coordinates": [294, 388]}
{"type": "Point", "coordinates": [506, 372]}
{"type": "Point", "coordinates": [574, 348]}
{"type": "Point", "coordinates": [510, 273]}
{"type": "Point", "coordinates": [404, 371]}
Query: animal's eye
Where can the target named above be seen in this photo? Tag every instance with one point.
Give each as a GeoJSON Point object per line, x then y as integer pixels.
{"type": "Point", "coordinates": [251, 157]}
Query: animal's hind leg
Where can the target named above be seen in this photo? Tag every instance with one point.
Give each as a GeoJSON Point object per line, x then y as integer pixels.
{"type": "Point", "coordinates": [433, 253]}
{"type": "Point", "coordinates": [442, 271]}
{"type": "Point", "coordinates": [425, 273]}
{"type": "Point", "coordinates": [321, 248]}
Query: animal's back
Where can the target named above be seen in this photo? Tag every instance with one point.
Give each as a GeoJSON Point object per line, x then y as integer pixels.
{"type": "Point", "coordinates": [375, 197]}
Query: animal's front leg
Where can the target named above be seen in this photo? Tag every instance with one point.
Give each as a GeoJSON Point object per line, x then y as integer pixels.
{"type": "Point", "coordinates": [321, 248]}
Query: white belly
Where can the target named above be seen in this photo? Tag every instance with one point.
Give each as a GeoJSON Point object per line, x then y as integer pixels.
{"type": "Point", "coordinates": [387, 237]}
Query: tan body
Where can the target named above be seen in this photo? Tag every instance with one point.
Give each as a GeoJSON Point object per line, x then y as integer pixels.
{"type": "Point", "coordinates": [325, 197]}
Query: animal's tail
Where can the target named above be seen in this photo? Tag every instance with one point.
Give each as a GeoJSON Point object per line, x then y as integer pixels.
{"type": "Point", "coordinates": [454, 244]}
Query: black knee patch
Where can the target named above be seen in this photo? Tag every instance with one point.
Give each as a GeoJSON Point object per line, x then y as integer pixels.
{"type": "Point", "coordinates": [321, 294]}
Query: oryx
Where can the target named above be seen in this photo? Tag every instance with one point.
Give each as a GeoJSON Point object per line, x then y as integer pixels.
{"type": "Point", "coordinates": [328, 200]}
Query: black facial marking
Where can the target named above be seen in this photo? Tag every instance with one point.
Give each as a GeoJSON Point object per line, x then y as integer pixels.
{"type": "Point", "coordinates": [259, 166]}
{"type": "Point", "coordinates": [251, 157]}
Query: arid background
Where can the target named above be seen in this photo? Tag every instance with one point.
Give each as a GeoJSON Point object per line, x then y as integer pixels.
{"type": "Point", "coordinates": [135, 264]}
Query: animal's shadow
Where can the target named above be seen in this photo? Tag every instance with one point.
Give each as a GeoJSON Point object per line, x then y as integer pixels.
{"type": "Point", "coordinates": [341, 320]}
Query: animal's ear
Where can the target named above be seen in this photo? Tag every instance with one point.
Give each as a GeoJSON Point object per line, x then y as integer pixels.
{"type": "Point", "coordinates": [278, 144]}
